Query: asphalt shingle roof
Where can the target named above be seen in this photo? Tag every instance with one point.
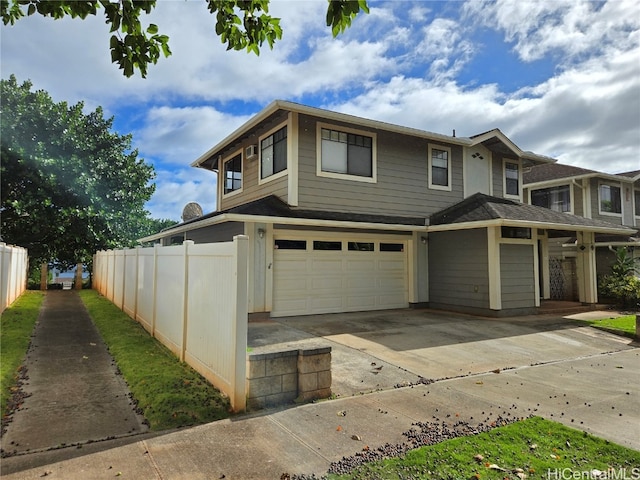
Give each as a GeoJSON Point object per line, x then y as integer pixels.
{"type": "Point", "coordinates": [481, 207]}
{"type": "Point", "coordinates": [272, 206]}
{"type": "Point", "coordinates": [553, 171]}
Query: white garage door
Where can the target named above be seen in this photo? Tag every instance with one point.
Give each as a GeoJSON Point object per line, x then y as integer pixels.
{"type": "Point", "coordinates": [317, 275]}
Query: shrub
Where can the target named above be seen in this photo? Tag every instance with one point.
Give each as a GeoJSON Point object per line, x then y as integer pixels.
{"type": "Point", "coordinates": [622, 284]}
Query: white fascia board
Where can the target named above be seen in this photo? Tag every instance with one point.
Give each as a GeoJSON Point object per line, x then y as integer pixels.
{"type": "Point", "coordinates": [363, 122]}
{"type": "Point", "coordinates": [242, 129]}
{"type": "Point", "coordinates": [497, 133]}
{"type": "Point", "coordinates": [556, 181]}
{"type": "Point", "coordinates": [499, 222]}
{"type": "Point", "coordinates": [308, 222]}
{"type": "Point", "coordinates": [327, 115]}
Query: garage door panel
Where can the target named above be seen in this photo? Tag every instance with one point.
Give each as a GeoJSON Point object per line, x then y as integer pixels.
{"type": "Point", "coordinates": [391, 283]}
{"type": "Point", "coordinates": [389, 265]}
{"type": "Point", "coordinates": [289, 285]}
{"type": "Point", "coordinates": [327, 304]}
{"type": "Point", "coordinates": [392, 300]}
{"type": "Point", "coordinates": [361, 302]}
{"type": "Point", "coordinates": [321, 281]}
{"type": "Point", "coordinates": [361, 265]}
{"type": "Point", "coordinates": [326, 265]}
{"type": "Point", "coordinates": [353, 283]}
{"type": "Point", "coordinates": [329, 282]}
{"type": "Point", "coordinates": [292, 265]}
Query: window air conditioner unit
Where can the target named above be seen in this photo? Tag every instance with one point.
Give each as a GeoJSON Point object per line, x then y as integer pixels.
{"type": "Point", "coordinates": [251, 151]}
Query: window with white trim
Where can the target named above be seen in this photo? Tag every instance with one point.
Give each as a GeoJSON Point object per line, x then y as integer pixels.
{"type": "Point", "coordinates": [346, 152]}
{"type": "Point", "coordinates": [273, 153]}
{"type": "Point", "coordinates": [511, 179]}
{"type": "Point", "coordinates": [557, 198]}
{"type": "Point", "coordinates": [439, 167]}
{"type": "Point", "coordinates": [610, 199]}
{"type": "Point", "coordinates": [636, 202]}
{"type": "Point", "coordinates": [233, 174]}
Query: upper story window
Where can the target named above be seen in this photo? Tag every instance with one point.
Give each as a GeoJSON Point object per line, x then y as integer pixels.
{"type": "Point", "coordinates": [557, 199]}
{"type": "Point", "coordinates": [610, 199]}
{"type": "Point", "coordinates": [233, 174]}
{"type": "Point", "coordinates": [439, 167]}
{"type": "Point", "coordinates": [636, 202]}
{"type": "Point", "coordinates": [511, 179]}
{"type": "Point", "coordinates": [273, 153]}
{"type": "Point", "coordinates": [347, 152]}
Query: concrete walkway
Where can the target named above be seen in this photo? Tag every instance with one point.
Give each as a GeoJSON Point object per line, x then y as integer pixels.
{"type": "Point", "coordinates": [581, 377]}
{"type": "Point", "coordinates": [73, 394]}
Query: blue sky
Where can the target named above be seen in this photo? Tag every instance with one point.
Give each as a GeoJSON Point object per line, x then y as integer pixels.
{"type": "Point", "coordinates": [559, 77]}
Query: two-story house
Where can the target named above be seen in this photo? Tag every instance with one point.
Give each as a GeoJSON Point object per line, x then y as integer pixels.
{"type": "Point", "coordinates": [350, 214]}
{"type": "Point", "coordinates": [613, 198]}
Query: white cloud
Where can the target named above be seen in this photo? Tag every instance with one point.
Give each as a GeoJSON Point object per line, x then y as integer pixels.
{"type": "Point", "coordinates": [400, 64]}
{"type": "Point", "coordinates": [176, 188]}
{"type": "Point", "coordinates": [573, 28]}
{"type": "Point", "coordinates": [180, 135]}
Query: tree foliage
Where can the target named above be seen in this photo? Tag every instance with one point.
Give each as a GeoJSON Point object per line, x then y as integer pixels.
{"type": "Point", "coordinates": [622, 284]}
{"type": "Point", "coordinates": [70, 185]}
{"type": "Point", "coordinates": [241, 24]}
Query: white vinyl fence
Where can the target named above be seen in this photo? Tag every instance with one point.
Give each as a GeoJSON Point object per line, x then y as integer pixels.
{"type": "Point", "coordinates": [192, 298]}
{"type": "Point", "coordinates": [14, 263]}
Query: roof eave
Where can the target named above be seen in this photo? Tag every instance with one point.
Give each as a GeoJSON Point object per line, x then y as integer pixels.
{"type": "Point", "coordinates": [236, 217]}
{"type": "Point", "coordinates": [499, 222]}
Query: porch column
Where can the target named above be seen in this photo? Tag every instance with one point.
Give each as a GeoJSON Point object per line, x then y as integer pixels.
{"type": "Point", "coordinates": [493, 254]}
{"type": "Point", "coordinates": [586, 268]}
{"type": "Point", "coordinates": [544, 262]}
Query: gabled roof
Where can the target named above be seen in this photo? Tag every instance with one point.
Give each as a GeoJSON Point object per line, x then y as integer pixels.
{"type": "Point", "coordinates": [210, 156]}
{"type": "Point", "coordinates": [550, 173]}
{"type": "Point", "coordinates": [481, 210]}
{"type": "Point", "coordinates": [272, 209]}
{"type": "Point", "coordinates": [633, 175]}
{"type": "Point", "coordinates": [543, 173]}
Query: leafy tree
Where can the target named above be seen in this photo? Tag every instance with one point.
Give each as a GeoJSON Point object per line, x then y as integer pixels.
{"type": "Point", "coordinates": [622, 284]}
{"type": "Point", "coordinates": [241, 24]}
{"type": "Point", "coordinates": [70, 186]}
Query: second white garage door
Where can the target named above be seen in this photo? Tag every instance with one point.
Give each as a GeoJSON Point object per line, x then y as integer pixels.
{"type": "Point", "coordinates": [318, 275]}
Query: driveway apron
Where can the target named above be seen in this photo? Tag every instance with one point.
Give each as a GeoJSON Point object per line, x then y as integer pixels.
{"type": "Point", "coordinates": [73, 392]}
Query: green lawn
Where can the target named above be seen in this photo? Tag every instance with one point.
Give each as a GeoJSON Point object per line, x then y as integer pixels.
{"type": "Point", "coordinates": [16, 326]}
{"type": "Point", "coordinates": [169, 393]}
{"type": "Point", "coordinates": [625, 325]}
{"type": "Point", "coordinates": [531, 448]}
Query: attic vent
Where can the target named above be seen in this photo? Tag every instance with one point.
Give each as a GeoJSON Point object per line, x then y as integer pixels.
{"type": "Point", "coordinates": [251, 151]}
{"type": "Point", "coordinates": [477, 155]}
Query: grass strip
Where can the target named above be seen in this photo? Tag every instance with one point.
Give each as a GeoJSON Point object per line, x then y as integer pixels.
{"type": "Point", "coordinates": [625, 325]}
{"type": "Point", "coordinates": [168, 392]}
{"type": "Point", "coordinates": [531, 448]}
{"type": "Point", "coordinates": [16, 326]}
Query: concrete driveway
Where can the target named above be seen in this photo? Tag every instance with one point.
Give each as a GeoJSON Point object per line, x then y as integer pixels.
{"type": "Point", "coordinates": [412, 346]}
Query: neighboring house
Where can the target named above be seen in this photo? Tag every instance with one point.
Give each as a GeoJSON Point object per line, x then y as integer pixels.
{"type": "Point", "coordinates": [613, 198]}
{"type": "Point", "coordinates": [350, 214]}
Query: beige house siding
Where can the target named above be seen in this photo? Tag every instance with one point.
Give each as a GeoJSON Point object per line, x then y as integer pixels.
{"type": "Point", "coordinates": [402, 183]}
{"type": "Point", "coordinates": [517, 277]}
{"type": "Point", "coordinates": [252, 189]}
{"type": "Point", "coordinates": [458, 268]}
{"type": "Point", "coordinates": [223, 232]}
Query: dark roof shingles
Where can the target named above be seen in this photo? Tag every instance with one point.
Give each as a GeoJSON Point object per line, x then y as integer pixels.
{"type": "Point", "coordinates": [481, 207]}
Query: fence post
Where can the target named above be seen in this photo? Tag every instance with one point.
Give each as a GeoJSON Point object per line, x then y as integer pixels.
{"type": "Point", "coordinates": [156, 247]}
{"type": "Point", "coordinates": [136, 283]}
{"type": "Point", "coordinates": [185, 297]}
{"type": "Point", "coordinates": [239, 400]}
